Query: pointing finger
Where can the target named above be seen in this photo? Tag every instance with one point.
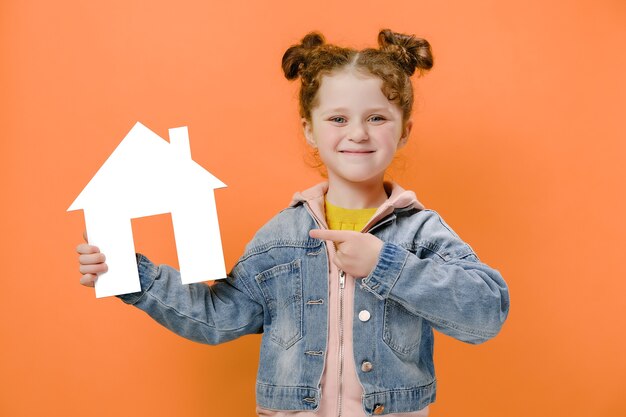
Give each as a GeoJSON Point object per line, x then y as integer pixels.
{"type": "Point", "coordinates": [334, 235]}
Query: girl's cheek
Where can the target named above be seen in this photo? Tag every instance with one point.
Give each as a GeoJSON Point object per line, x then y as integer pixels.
{"type": "Point", "coordinates": [329, 132]}
{"type": "Point", "coordinates": [391, 133]}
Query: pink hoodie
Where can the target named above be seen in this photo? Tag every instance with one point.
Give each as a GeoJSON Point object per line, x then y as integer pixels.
{"type": "Point", "coordinates": [341, 389]}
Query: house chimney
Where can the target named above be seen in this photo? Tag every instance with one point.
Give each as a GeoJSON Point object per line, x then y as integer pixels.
{"type": "Point", "coordinates": [179, 142]}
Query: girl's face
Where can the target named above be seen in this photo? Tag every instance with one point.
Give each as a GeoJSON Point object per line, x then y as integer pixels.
{"type": "Point", "coordinates": [355, 128]}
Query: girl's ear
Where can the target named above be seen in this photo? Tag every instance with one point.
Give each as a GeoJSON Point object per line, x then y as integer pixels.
{"type": "Point", "coordinates": [405, 134]}
{"type": "Point", "coordinates": [307, 128]}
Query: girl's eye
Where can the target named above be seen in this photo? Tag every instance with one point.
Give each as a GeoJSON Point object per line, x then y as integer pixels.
{"type": "Point", "coordinates": [338, 119]}
{"type": "Point", "coordinates": [376, 118]}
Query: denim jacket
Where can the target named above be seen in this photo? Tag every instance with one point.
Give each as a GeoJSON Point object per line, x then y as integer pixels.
{"type": "Point", "coordinates": [426, 278]}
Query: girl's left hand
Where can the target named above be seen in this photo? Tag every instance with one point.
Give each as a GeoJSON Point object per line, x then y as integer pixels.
{"type": "Point", "coordinates": [357, 253]}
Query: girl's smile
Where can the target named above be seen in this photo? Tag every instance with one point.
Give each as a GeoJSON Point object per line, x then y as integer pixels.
{"type": "Point", "coordinates": [356, 151]}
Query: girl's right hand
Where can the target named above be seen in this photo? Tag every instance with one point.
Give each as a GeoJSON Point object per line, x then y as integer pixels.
{"type": "Point", "coordinates": [91, 262]}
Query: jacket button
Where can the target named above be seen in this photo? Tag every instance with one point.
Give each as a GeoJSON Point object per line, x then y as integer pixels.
{"type": "Point", "coordinates": [379, 409]}
{"type": "Point", "coordinates": [366, 366]}
{"type": "Point", "coordinates": [364, 315]}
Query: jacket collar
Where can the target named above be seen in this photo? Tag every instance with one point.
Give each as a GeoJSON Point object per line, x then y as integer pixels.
{"type": "Point", "coordinates": [399, 199]}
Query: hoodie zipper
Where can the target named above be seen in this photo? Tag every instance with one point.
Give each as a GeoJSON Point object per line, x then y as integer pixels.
{"type": "Point", "coordinates": [342, 284]}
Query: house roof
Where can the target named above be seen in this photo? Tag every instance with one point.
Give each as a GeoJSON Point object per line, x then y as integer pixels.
{"type": "Point", "coordinates": [143, 173]}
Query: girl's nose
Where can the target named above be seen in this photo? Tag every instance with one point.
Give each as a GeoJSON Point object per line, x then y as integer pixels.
{"type": "Point", "coordinates": [358, 132]}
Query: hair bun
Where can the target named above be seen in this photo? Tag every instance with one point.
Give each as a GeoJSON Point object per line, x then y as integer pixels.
{"type": "Point", "coordinates": [295, 58]}
{"type": "Point", "coordinates": [410, 52]}
{"type": "Point", "coordinates": [313, 40]}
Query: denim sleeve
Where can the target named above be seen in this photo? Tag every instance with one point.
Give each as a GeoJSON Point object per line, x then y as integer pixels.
{"type": "Point", "coordinates": [461, 296]}
{"type": "Point", "coordinates": [206, 314]}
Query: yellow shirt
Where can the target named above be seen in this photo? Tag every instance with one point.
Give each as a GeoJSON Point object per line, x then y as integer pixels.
{"type": "Point", "coordinates": [339, 218]}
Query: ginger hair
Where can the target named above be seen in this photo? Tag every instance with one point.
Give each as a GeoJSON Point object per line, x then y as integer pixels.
{"type": "Point", "coordinates": [397, 58]}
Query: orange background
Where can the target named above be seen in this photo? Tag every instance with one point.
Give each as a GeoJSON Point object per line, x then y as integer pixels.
{"type": "Point", "coordinates": [519, 142]}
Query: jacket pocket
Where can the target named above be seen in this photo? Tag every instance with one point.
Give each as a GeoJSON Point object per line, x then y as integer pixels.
{"type": "Point", "coordinates": [402, 330]}
{"type": "Point", "coordinates": [282, 289]}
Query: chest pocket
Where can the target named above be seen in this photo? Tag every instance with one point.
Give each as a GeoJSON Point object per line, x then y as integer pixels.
{"type": "Point", "coordinates": [402, 331]}
{"type": "Point", "coordinates": [282, 289]}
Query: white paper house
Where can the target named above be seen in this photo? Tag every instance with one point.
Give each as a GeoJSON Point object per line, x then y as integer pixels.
{"type": "Point", "coordinates": [144, 176]}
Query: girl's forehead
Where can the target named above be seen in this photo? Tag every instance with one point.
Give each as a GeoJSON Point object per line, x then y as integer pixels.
{"type": "Point", "coordinates": [351, 89]}
{"type": "Point", "coordinates": [350, 79]}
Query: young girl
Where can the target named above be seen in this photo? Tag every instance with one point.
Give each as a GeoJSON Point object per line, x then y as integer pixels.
{"type": "Point", "coordinates": [348, 282]}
